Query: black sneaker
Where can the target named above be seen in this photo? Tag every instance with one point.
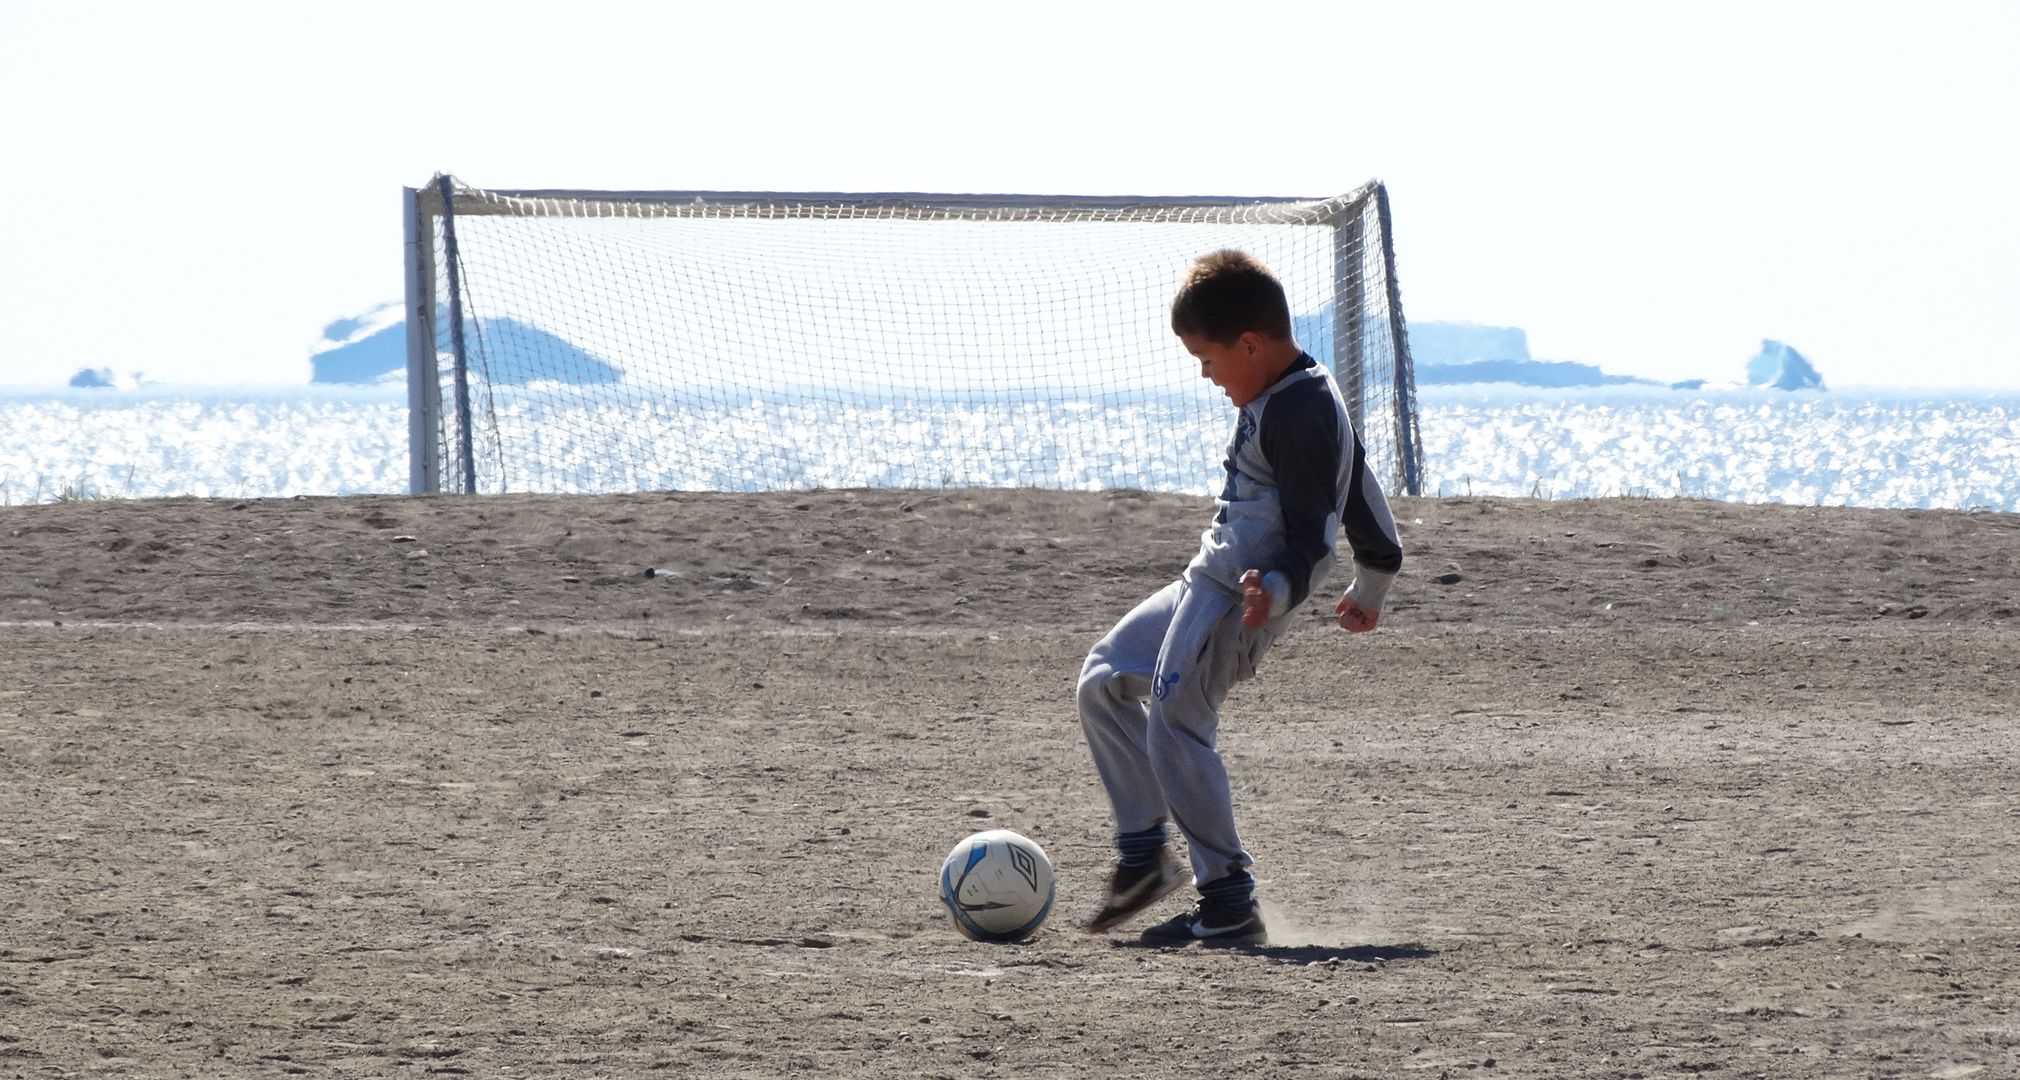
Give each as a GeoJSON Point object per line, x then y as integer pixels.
{"type": "Point", "coordinates": [1134, 888]}
{"type": "Point", "coordinates": [1214, 926]}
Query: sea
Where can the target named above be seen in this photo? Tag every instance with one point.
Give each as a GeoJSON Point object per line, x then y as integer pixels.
{"type": "Point", "coordinates": [1876, 447]}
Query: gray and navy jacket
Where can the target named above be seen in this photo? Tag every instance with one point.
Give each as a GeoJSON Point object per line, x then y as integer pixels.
{"type": "Point", "coordinates": [1297, 474]}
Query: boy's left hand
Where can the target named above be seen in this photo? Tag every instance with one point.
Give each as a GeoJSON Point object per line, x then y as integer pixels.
{"type": "Point", "coordinates": [1354, 618]}
{"type": "Point", "coordinates": [1256, 600]}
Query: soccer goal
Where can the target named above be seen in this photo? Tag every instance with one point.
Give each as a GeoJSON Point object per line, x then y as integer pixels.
{"type": "Point", "coordinates": [600, 341]}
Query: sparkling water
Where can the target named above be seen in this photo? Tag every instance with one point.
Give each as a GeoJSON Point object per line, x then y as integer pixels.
{"type": "Point", "coordinates": [1880, 448]}
{"type": "Point", "coordinates": [238, 442]}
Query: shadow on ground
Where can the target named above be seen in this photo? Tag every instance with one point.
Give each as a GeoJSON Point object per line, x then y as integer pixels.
{"type": "Point", "coordinates": [1313, 954]}
{"type": "Point", "coordinates": [1356, 954]}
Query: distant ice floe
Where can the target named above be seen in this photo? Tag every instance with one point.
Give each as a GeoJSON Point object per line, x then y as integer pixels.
{"type": "Point", "coordinates": [105, 378]}
{"type": "Point", "coordinates": [1879, 448]}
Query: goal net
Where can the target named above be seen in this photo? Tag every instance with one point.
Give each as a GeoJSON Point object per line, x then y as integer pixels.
{"type": "Point", "coordinates": [583, 341]}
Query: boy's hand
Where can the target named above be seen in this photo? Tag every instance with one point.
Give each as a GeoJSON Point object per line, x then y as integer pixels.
{"type": "Point", "coordinates": [1354, 618]}
{"type": "Point", "coordinates": [1256, 600]}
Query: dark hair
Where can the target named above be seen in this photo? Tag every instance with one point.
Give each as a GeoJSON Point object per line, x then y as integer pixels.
{"type": "Point", "coordinates": [1227, 294]}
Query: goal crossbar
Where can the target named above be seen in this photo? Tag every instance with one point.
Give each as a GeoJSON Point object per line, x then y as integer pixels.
{"type": "Point", "coordinates": [904, 205]}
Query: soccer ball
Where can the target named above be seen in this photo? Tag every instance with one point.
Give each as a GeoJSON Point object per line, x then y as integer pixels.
{"type": "Point", "coordinates": [997, 885]}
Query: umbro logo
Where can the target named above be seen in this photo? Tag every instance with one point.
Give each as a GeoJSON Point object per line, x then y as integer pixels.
{"type": "Point", "coordinates": [1025, 865]}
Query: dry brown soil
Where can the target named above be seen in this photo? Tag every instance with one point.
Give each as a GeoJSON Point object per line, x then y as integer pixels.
{"type": "Point", "coordinates": [396, 786]}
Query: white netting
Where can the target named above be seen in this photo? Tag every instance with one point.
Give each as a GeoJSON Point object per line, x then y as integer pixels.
{"type": "Point", "coordinates": [775, 342]}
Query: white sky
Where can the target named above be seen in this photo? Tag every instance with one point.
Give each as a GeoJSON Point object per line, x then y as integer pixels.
{"type": "Point", "coordinates": [194, 190]}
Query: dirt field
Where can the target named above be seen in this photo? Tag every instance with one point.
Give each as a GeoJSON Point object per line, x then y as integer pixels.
{"type": "Point", "coordinates": [390, 786]}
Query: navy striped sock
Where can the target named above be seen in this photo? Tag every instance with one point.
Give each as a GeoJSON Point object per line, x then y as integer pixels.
{"type": "Point", "coordinates": [1138, 848]}
{"type": "Point", "coordinates": [1234, 890]}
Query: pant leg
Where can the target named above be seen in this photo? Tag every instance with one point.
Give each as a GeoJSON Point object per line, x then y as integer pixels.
{"type": "Point", "coordinates": [1206, 651]}
{"type": "Point", "coordinates": [1113, 683]}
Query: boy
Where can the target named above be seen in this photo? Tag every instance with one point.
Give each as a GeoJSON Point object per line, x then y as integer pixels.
{"type": "Point", "coordinates": [1295, 476]}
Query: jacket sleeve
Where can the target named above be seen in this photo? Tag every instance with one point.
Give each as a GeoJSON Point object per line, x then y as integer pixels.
{"type": "Point", "coordinates": [1370, 528]}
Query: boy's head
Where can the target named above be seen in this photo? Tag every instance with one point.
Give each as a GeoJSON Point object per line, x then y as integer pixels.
{"type": "Point", "coordinates": [1227, 294]}
{"type": "Point", "coordinates": [1232, 317]}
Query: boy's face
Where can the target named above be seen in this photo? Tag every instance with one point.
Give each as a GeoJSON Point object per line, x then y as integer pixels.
{"type": "Point", "coordinates": [1242, 370]}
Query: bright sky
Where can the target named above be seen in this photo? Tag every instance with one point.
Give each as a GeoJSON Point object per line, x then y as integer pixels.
{"type": "Point", "coordinates": [194, 190]}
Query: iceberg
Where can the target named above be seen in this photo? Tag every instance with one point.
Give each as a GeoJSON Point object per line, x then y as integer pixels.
{"type": "Point", "coordinates": [512, 352]}
{"type": "Point", "coordinates": [94, 378]}
{"type": "Point", "coordinates": [369, 349]}
{"type": "Point", "coordinates": [362, 349]}
{"type": "Point", "coordinates": [1780, 367]}
{"type": "Point", "coordinates": [375, 357]}
{"type": "Point", "coordinates": [1439, 343]}
{"type": "Point", "coordinates": [1459, 353]}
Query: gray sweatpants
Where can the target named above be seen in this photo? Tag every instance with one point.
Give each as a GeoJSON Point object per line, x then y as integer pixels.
{"type": "Point", "coordinates": [1182, 650]}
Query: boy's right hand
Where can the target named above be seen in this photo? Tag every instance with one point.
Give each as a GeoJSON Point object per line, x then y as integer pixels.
{"type": "Point", "coordinates": [1354, 618]}
{"type": "Point", "coordinates": [1256, 600]}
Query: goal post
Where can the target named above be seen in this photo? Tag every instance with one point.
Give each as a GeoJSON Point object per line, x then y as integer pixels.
{"type": "Point", "coordinates": [596, 341]}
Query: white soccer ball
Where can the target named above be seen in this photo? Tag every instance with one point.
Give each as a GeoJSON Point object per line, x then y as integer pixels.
{"type": "Point", "coordinates": [997, 885]}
